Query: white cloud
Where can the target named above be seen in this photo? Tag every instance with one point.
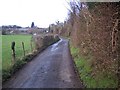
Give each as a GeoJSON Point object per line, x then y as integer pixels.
{"type": "Point", "coordinates": [23, 12]}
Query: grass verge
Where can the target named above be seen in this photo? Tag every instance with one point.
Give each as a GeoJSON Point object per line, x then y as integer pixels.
{"type": "Point", "coordinates": [7, 73]}
{"type": "Point", "coordinates": [84, 67]}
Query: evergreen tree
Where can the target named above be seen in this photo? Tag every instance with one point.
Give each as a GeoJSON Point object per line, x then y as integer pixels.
{"type": "Point", "coordinates": [32, 25]}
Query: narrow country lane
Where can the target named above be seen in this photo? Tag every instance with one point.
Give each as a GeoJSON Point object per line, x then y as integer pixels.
{"type": "Point", "coordinates": [53, 68]}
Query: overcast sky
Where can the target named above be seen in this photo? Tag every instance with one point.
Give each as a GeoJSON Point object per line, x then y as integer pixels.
{"type": "Point", "coordinates": [23, 12]}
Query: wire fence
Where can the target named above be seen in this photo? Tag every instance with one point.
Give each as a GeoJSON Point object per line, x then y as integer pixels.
{"type": "Point", "coordinates": [15, 50]}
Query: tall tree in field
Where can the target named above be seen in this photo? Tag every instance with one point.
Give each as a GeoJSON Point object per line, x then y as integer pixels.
{"type": "Point", "coordinates": [32, 25]}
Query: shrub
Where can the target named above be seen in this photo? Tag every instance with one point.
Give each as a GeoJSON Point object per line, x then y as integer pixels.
{"type": "Point", "coordinates": [42, 42]}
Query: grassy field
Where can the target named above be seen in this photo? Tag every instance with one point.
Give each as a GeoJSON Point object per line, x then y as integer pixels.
{"type": "Point", "coordinates": [6, 48]}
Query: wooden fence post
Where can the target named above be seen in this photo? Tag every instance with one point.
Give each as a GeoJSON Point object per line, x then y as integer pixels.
{"type": "Point", "coordinates": [31, 46]}
{"type": "Point", "coordinates": [13, 52]}
{"type": "Point", "coordinates": [23, 48]}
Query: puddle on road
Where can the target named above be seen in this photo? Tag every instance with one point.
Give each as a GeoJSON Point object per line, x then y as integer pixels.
{"type": "Point", "coordinates": [55, 46]}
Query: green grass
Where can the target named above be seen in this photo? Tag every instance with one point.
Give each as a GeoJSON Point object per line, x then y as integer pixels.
{"type": "Point", "coordinates": [85, 71]}
{"type": "Point", "coordinates": [6, 48]}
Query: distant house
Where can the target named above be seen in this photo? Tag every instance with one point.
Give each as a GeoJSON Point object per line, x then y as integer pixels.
{"type": "Point", "coordinates": [14, 29]}
{"type": "Point", "coordinates": [11, 27]}
{"type": "Point", "coordinates": [23, 29]}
